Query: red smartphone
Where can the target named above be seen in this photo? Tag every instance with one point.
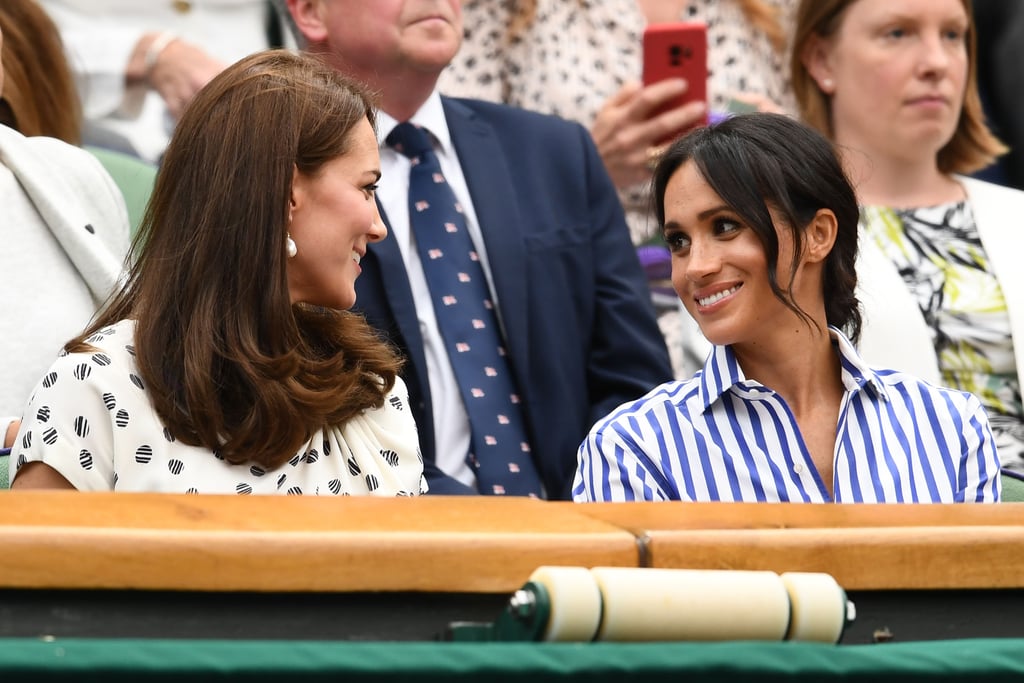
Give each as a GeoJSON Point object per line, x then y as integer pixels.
{"type": "Point", "coordinates": [678, 50]}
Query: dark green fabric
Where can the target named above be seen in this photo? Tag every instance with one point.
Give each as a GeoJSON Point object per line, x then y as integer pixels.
{"type": "Point", "coordinates": [111, 661]}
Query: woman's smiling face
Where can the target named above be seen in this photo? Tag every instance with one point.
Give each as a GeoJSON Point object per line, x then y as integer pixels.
{"type": "Point", "coordinates": [719, 266]}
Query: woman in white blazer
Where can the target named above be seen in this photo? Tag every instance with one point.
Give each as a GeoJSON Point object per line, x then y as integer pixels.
{"type": "Point", "coordinates": [893, 83]}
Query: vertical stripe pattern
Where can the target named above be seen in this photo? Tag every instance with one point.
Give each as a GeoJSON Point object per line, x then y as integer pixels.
{"type": "Point", "coordinates": [720, 437]}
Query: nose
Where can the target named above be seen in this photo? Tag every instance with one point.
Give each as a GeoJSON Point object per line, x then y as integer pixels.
{"type": "Point", "coordinates": [702, 261]}
{"type": "Point", "coordinates": [935, 57]}
{"type": "Point", "coordinates": [378, 230]}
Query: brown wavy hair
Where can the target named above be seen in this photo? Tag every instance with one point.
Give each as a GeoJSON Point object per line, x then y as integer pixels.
{"type": "Point", "coordinates": [39, 96]}
{"type": "Point", "coordinates": [228, 362]}
{"type": "Point", "coordinates": [972, 147]}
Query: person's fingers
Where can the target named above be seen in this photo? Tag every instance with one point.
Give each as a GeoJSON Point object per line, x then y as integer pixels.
{"type": "Point", "coordinates": [653, 97]}
{"type": "Point", "coordinates": [667, 125]}
{"type": "Point", "coordinates": [626, 93]}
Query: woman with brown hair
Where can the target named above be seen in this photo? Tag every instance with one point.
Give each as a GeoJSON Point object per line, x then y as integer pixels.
{"type": "Point", "coordinates": [893, 83]}
{"type": "Point", "coordinates": [226, 362]}
{"type": "Point", "coordinates": [39, 96]}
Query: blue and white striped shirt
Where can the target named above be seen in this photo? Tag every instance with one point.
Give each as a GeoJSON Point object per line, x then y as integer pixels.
{"type": "Point", "coordinates": [721, 437]}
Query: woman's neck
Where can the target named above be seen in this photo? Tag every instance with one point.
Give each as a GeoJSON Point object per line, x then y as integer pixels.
{"type": "Point", "coordinates": [899, 183]}
{"type": "Point", "coordinates": [804, 368]}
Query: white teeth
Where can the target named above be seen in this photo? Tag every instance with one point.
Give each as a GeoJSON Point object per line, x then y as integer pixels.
{"type": "Point", "coordinates": [717, 297]}
{"type": "Point", "coordinates": [356, 257]}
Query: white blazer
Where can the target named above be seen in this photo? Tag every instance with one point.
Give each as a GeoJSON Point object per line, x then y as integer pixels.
{"type": "Point", "coordinates": [895, 334]}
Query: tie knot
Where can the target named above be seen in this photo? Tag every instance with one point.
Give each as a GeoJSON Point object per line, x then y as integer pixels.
{"type": "Point", "coordinates": [410, 140]}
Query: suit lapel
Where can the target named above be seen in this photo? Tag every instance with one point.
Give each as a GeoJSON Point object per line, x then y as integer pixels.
{"type": "Point", "coordinates": [492, 188]}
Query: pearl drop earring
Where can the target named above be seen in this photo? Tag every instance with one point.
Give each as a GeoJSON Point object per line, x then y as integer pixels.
{"type": "Point", "coordinates": [828, 85]}
{"type": "Point", "coordinates": [289, 245]}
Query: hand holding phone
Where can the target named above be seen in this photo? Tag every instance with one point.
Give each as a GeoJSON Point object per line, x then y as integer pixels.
{"type": "Point", "coordinates": [677, 50]}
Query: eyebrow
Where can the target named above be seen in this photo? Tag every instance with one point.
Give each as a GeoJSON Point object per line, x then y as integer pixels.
{"type": "Point", "coordinates": [703, 215]}
{"type": "Point", "coordinates": [713, 210]}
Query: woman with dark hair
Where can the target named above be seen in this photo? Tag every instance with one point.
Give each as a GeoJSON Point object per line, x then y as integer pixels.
{"type": "Point", "coordinates": [226, 362]}
{"type": "Point", "coordinates": [894, 84]}
{"type": "Point", "coordinates": [762, 224]}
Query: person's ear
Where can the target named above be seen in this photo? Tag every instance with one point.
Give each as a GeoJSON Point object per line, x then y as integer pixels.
{"type": "Point", "coordinates": [816, 58]}
{"type": "Point", "coordinates": [820, 236]}
{"type": "Point", "coordinates": [297, 196]}
{"type": "Point", "coordinates": [308, 16]}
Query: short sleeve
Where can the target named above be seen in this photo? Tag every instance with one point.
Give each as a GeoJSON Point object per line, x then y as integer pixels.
{"type": "Point", "coordinates": [69, 420]}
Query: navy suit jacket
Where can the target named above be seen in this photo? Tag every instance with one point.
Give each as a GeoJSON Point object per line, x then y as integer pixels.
{"type": "Point", "coordinates": [581, 332]}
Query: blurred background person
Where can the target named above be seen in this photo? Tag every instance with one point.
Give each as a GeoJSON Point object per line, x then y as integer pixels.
{"type": "Point", "coordinates": [137, 64]}
{"type": "Point", "coordinates": [40, 98]}
{"type": "Point", "coordinates": [227, 362]}
{"type": "Point", "coordinates": [66, 226]}
{"type": "Point", "coordinates": [894, 84]}
{"type": "Point", "coordinates": [583, 60]}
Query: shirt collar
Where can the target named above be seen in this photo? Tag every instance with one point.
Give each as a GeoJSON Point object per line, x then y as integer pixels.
{"type": "Point", "coordinates": [430, 116]}
{"type": "Point", "coordinates": [722, 371]}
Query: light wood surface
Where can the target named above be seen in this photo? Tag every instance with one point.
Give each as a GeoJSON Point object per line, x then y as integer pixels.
{"type": "Point", "coordinates": [293, 543]}
{"type": "Point", "coordinates": [641, 518]}
{"type": "Point", "coordinates": [865, 558]}
{"type": "Point", "coordinates": [57, 539]}
{"type": "Point", "coordinates": [865, 547]}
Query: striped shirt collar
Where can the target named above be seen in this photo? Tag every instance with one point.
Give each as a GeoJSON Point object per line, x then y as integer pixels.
{"type": "Point", "coordinates": [722, 372]}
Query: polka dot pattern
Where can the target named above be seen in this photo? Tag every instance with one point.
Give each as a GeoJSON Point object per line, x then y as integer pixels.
{"type": "Point", "coordinates": [98, 429]}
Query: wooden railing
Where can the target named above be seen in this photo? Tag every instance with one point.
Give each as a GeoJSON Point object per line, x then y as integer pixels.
{"type": "Point", "coordinates": [482, 545]}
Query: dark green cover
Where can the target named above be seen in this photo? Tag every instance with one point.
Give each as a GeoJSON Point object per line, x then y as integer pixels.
{"type": "Point", "coordinates": [163, 660]}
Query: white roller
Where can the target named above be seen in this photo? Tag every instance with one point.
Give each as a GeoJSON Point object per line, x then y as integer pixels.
{"type": "Point", "coordinates": [691, 604]}
{"type": "Point", "coordinates": [819, 607]}
{"type": "Point", "coordinates": [575, 603]}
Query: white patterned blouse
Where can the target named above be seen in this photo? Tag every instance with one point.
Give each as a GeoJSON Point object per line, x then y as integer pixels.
{"type": "Point", "coordinates": [91, 420]}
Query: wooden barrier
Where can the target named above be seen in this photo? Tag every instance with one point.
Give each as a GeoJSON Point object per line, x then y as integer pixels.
{"type": "Point", "coordinates": [865, 547]}
{"type": "Point", "coordinates": [304, 543]}
{"type": "Point", "coordinates": [150, 565]}
{"type": "Point", "coordinates": [293, 543]}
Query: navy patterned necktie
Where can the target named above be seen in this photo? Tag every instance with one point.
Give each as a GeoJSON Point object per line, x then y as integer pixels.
{"type": "Point", "coordinates": [499, 448]}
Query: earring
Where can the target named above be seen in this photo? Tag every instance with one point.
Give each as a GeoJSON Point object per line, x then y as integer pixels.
{"type": "Point", "coordinates": [289, 245]}
{"type": "Point", "coordinates": [828, 85]}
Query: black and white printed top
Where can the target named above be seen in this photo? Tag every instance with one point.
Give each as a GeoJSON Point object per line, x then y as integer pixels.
{"type": "Point", "coordinates": [91, 419]}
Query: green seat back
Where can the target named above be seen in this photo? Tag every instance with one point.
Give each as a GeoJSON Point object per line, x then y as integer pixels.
{"type": "Point", "coordinates": [133, 177]}
{"type": "Point", "coordinates": [1013, 489]}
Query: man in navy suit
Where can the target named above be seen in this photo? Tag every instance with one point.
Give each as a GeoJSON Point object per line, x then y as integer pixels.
{"type": "Point", "coordinates": [579, 328]}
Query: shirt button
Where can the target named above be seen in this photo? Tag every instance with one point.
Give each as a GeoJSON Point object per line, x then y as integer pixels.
{"type": "Point", "coordinates": [798, 468]}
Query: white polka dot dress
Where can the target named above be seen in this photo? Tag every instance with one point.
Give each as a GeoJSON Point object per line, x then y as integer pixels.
{"type": "Point", "coordinates": [90, 419]}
